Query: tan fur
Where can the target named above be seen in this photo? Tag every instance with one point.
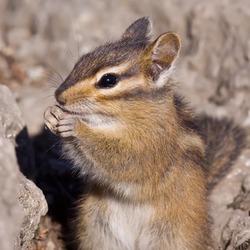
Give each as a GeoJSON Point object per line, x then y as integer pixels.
{"type": "Point", "coordinates": [139, 145]}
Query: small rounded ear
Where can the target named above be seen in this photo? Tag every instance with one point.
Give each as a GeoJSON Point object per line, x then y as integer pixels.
{"type": "Point", "coordinates": [165, 49]}
{"type": "Point", "coordinates": [140, 29]}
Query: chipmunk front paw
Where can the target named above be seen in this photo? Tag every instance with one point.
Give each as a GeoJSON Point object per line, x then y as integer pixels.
{"type": "Point", "coordinates": [60, 122]}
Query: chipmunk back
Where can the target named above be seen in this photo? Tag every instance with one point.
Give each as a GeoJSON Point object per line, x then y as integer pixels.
{"type": "Point", "coordinates": [139, 144]}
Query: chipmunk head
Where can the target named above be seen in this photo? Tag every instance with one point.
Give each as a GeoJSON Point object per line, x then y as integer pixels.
{"type": "Point", "coordinates": [131, 68]}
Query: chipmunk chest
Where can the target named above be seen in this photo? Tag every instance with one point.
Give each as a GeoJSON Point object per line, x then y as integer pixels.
{"type": "Point", "coordinates": [127, 221]}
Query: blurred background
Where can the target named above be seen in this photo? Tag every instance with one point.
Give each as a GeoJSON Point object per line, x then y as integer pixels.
{"type": "Point", "coordinates": [41, 40]}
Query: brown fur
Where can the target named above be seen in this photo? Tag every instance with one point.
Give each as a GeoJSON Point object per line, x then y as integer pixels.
{"type": "Point", "coordinates": [142, 147]}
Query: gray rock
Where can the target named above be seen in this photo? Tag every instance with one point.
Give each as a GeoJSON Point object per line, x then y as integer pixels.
{"type": "Point", "coordinates": [10, 210]}
{"type": "Point", "coordinates": [34, 206]}
{"type": "Point", "coordinates": [217, 61]}
{"type": "Point", "coordinates": [246, 184]}
{"type": "Point", "coordinates": [22, 203]}
{"type": "Point", "coordinates": [14, 129]}
{"type": "Point", "coordinates": [11, 120]}
{"type": "Point", "coordinates": [242, 200]}
{"type": "Point", "coordinates": [236, 233]}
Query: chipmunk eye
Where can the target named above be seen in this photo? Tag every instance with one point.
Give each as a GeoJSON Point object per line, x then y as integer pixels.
{"type": "Point", "coordinates": [107, 81]}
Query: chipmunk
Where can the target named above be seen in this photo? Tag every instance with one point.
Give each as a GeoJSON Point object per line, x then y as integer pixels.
{"type": "Point", "coordinates": [147, 157]}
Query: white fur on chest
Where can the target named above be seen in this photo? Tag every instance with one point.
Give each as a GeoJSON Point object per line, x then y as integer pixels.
{"type": "Point", "coordinates": [127, 222]}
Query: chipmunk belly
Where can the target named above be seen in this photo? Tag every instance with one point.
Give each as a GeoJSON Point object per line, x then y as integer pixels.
{"type": "Point", "coordinates": [127, 222]}
{"type": "Point", "coordinates": [110, 224]}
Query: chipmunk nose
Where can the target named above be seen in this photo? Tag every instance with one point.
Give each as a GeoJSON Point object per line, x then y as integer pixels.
{"type": "Point", "coordinates": [60, 97]}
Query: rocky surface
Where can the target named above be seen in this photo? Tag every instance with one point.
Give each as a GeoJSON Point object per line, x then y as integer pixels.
{"type": "Point", "coordinates": [37, 41]}
{"type": "Point", "coordinates": [236, 232]}
{"type": "Point", "coordinates": [10, 209]}
{"type": "Point", "coordinates": [34, 206]}
{"type": "Point", "coordinates": [22, 203]}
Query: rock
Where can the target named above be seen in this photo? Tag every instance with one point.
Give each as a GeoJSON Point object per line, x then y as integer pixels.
{"type": "Point", "coordinates": [22, 203]}
{"type": "Point", "coordinates": [221, 29]}
{"type": "Point", "coordinates": [236, 233]}
{"type": "Point", "coordinates": [216, 62]}
{"type": "Point", "coordinates": [10, 210]}
{"type": "Point", "coordinates": [15, 130]}
{"type": "Point", "coordinates": [34, 206]}
{"type": "Point", "coordinates": [246, 184]}
{"type": "Point", "coordinates": [242, 200]}
{"type": "Point", "coordinates": [11, 120]}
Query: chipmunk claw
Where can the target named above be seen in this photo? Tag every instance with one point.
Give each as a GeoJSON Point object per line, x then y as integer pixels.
{"type": "Point", "coordinates": [59, 122]}
{"type": "Point", "coordinates": [66, 127]}
{"type": "Point", "coordinates": [51, 119]}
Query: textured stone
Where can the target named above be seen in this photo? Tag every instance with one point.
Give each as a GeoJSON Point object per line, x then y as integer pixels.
{"type": "Point", "coordinates": [242, 200]}
{"type": "Point", "coordinates": [236, 233]}
{"type": "Point", "coordinates": [34, 206]}
{"type": "Point", "coordinates": [10, 211]}
{"type": "Point", "coordinates": [22, 203]}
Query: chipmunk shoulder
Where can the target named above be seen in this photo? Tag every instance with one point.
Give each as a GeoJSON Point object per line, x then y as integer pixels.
{"type": "Point", "coordinates": [124, 126]}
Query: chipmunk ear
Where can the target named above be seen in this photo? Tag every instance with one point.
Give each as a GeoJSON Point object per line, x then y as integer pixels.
{"type": "Point", "coordinates": [164, 50]}
{"type": "Point", "coordinates": [140, 29]}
